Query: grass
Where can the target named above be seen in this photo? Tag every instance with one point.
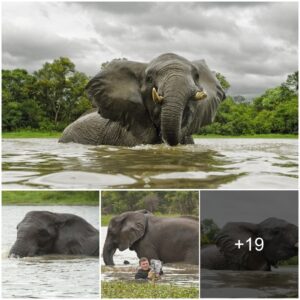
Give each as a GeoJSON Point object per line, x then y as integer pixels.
{"type": "Point", "coordinates": [30, 134]}
{"type": "Point", "coordinates": [253, 136]}
{"type": "Point", "coordinates": [105, 219]}
{"type": "Point", "coordinates": [121, 289]}
{"type": "Point", "coordinates": [50, 198]}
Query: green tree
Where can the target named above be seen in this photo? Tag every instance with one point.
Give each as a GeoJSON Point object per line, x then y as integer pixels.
{"type": "Point", "coordinates": [60, 89]}
{"type": "Point", "coordinates": [209, 231]}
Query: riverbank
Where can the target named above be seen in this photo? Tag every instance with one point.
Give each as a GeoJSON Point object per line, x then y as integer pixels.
{"type": "Point", "coordinates": [119, 289]}
{"type": "Point", "coordinates": [23, 134]}
{"type": "Point", "coordinates": [50, 198]}
{"type": "Point", "coordinates": [55, 134]}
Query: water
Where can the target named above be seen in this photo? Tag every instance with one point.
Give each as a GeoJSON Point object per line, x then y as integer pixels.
{"type": "Point", "coordinates": [210, 163]}
{"type": "Point", "coordinates": [175, 273]}
{"type": "Point", "coordinates": [52, 275]}
{"type": "Point", "coordinates": [279, 283]}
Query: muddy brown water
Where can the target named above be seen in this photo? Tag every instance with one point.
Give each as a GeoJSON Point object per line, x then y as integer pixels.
{"type": "Point", "coordinates": [210, 163]}
{"type": "Point", "coordinates": [48, 276]}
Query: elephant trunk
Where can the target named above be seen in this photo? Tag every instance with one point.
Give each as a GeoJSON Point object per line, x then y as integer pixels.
{"type": "Point", "coordinates": [18, 250]}
{"type": "Point", "coordinates": [108, 252]}
{"type": "Point", "coordinates": [171, 117]}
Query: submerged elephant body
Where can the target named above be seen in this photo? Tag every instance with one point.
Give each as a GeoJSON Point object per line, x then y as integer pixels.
{"type": "Point", "coordinates": [166, 100]}
{"type": "Point", "coordinates": [167, 239]}
{"type": "Point", "coordinates": [43, 232]}
{"type": "Point", "coordinates": [280, 243]}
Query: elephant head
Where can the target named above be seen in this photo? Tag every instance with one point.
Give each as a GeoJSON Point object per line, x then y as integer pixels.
{"type": "Point", "coordinates": [172, 94]}
{"type": "Point", "coordinates": [280, 243]}
{"type": "Point", "coordinates": [43, 232]}
{"type": "Point", "coordinates": [123, 231]}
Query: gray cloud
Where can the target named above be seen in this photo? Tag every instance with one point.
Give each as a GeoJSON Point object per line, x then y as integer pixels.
{"type": "Point", "coordinates": [255, 45]}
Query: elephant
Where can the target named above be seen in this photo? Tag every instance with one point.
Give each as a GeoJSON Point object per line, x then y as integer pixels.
{"type": "Point", "coordinates": [44, 232]}
{"type": "Point", "coordinates": [280, 242]}
{"type": "Point", "coordinates": [166, 239]}
{"type": "Point", "coordinates": [164, 101]}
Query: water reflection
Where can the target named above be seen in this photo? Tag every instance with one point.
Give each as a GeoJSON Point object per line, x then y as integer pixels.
{"type": "Point", "coordinates": [211, 163]}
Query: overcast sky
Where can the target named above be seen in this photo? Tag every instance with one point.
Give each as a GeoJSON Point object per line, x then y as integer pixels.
{"type": "Point", "coordinates": [248, 206]}
{"type": "Point", "coordinates": [255, 45]}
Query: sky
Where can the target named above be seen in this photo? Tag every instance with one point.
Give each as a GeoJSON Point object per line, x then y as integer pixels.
{"type": "Point", "coordinates": [248, 206]}
{"type": "Point", "coordinates": [255, 45]}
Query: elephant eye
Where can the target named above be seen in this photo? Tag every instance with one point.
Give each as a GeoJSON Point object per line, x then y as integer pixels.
{"type": "Point", "coordinates": [43, 233]}
{"type": "Point", "coordinates": [196, 76]}
{"type": "Point", "coordinates": [149, 79]}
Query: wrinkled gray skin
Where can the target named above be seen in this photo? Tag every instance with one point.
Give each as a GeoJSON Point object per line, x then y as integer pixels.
{"type": "Point", "coordinates": [127, 114]}
{"type": "Point", "coordinates": [280, 243]}
{"type": "Point", "coordinates": [43, 232]}
{"type": "Point", "coordinates": [167, 239]}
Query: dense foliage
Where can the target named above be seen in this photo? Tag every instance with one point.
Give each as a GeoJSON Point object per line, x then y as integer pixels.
{"type": "Point", "coordinates": [52, 97]}
{"type": "Point", "coordinates": [276, 111]}
{"type": "Point", "coordinates": [182, 203]}
{"type": "Point", "coordinates": [48, 99]}
{"type": "Point", "coordinates": [209, 231]}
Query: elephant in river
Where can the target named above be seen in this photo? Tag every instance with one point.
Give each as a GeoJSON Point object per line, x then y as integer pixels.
{"type": "Point", "coordinates": [280, 240]}
{"type": "Point", "coordinates": [166, 100]}
{"type": "Point", "coordinates": [44, 232]}
{"type": "Point", "coordinates": [167, 239]}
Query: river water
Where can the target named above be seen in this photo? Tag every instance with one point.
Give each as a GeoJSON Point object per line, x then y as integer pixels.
{"type": "Point", "coordinates": [210, 163]}
{"type": "Point", "coordinates": [175, 274]}
{"type": "Point", "coordinates": [47, 276]}
{"type": "Point", "coordinates": [279, 283]}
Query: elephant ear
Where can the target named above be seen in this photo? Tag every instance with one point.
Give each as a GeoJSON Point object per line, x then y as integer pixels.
{"type": "Point", "coordinates": [230, 235]}
{"type": "Point", "coordinates": [133, 228]}
{"type": "Point", "coordinates": [206, 109]}
{"type": "Point", "coordinates": [75, 235]}
{"type": "Point", "coordinates": [117, 94]}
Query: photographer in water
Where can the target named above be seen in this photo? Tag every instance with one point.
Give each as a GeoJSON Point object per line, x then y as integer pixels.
{"type": "Point", "coordinates": [146, 272]}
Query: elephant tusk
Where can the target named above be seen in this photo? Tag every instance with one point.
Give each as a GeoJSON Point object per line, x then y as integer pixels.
{"type": "Point", "coordinates": [200, 95]}
{"type": "Point", "coordinates": [156, 97]}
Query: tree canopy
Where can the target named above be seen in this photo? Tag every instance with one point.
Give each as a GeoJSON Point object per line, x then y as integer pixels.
{"type": "Point", "coordinates": [181, 202]}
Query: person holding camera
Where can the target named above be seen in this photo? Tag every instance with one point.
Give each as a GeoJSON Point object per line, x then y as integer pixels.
{"type": "Point", "coordinates": [145, 272]}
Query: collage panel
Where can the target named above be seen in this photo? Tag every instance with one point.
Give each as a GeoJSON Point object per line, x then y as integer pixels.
{"type": "Point", "coordinates": [50, 244]}
{"type": "Point", "coordinates": [149, 244]}
{"type": "Point", "coordinates": [249, 244]}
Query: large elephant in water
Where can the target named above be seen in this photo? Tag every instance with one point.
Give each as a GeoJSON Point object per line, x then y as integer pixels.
{"type": "Point", "coordinates": [167, 239]}
{"type": "Point", "coordinates": [43, 232]}
{"type": "Point", "coordinates": [280, 242]}
{"type": "Point", "coordinates": [166, 100]}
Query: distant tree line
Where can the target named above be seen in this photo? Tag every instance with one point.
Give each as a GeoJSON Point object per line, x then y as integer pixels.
{"type": "Point", "coordinates": [276, 111]}
{"type": "Point", "coordinates": [53, 97]}
{"type": "Point", "coordinates": [182, 202]}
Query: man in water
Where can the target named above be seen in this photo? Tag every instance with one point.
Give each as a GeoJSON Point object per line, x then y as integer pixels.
{"type": "Point", "coordinates": [145, 271]}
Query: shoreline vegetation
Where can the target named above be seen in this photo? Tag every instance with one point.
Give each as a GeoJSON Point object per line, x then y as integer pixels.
{"type": "Point", "coordinates": [127, 289]}
{"type": "Point", "coordinates": [87, 198]}
{"type": "Point", "coordinates": [105, 219]}
{"type": "Point", "coordinates": [56, 134]}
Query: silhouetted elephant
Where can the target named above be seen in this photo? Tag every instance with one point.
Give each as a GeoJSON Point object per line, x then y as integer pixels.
{"type": "Point", "coordinates": [280, 243]}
